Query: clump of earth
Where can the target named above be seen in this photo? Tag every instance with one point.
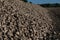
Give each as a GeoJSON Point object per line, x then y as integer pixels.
{"type": "Point", "coordinates": [25, 21]}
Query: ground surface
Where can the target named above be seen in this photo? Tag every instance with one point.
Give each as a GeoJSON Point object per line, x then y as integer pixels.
{"type": "Point", "coordinates": [55, 9]}
{"type": "Point", "coordinates": [56, 15]}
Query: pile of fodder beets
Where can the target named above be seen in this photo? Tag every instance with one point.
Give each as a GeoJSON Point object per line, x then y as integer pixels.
{"type": "Point", "coordinates": [25, 21]}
